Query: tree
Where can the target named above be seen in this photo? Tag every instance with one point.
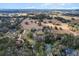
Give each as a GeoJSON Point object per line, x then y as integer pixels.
{"type": "Point", "coordinates": [56, 28]}
{"type": "Point", "coordinates": [33, 30]}
{"type": "Point", "coordinates": [72, 18]}
{"type": "Point", "coordinates": [61, 28]}
{"type": "Point", "coordinates": [30, 35]}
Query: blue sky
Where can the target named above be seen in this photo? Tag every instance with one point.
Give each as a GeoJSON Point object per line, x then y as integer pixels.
{"type": "Point", "coordinates": [39, 5]}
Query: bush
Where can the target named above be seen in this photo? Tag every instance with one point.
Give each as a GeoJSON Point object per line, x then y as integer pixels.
{"type": "Point", "coordinates": [30, 35]}
{"type": "Point", "coordinates": [56, 28]}
{"type": "Point", "coordinates": [33, 30]}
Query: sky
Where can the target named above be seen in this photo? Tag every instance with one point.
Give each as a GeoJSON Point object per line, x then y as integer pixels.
{"type": "Point", "coordinates": [39, 5]}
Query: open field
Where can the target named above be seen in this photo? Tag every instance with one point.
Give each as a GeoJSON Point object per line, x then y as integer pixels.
{"type": "Point", "coordinates": [65, 27]}
{"type": "Point", "coordinates": [39, 34]}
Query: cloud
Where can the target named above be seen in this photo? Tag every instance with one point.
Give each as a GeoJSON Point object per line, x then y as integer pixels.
{"type": "Point", "coordinates": [52, 6]}
{"type": "Point", "coordinates": [74, 7]}
{"type": "Point", "coordinates": [45, 5]}
{"type": "Point", "coordinates": [62, 4]}
{"type": "Point", "coordinates": [31, 7]}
